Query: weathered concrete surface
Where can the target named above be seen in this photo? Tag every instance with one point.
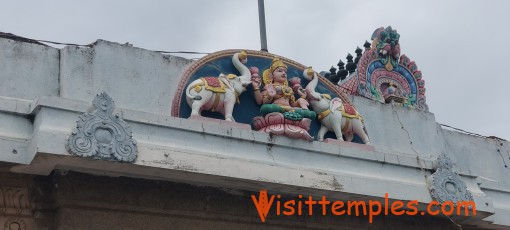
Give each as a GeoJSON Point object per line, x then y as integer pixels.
{"type": "Point", "coordinates": [16, 129]}
{"type": "Point", "coordinates": [15, 204]}
{"type": "Point", "coordinates": [73, 199]}
{"type": "Point", "coordinates": [171, 143]}
{"type": "Point", "coordinates": [27, 70]}
{"type": "Point", "coordinates": [136, 78]}
{"type": "Point", "coordinates": [142, 84]}
{"type": "Point", "coordinates": [168, 150]}
{"type": "Point", "coordinates": [488, 160]}
{"type": "Point", "coordinates": [409, 132]}
{"type": "Point", "coordinates": [483, 157]}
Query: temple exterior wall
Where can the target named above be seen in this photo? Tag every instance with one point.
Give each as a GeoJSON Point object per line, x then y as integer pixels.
{"type": "Point", "coordinates": [69, 200]}
{"type": "Point", "coordinates": [28, 70]}
{"type": "Point", "coordinates": [141, 80]}
{"type": "Point", "coordinates": [193, 174]}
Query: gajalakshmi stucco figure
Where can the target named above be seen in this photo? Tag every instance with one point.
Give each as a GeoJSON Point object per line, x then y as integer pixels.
{"type": "Point", "coordinates": [219, 93]}
{"type": "Point", "coordinates": [282, 114]}
{"type": "Point", "coordinates": [276, 89]}
{"type": "Point", "coordinates": [334, 115]}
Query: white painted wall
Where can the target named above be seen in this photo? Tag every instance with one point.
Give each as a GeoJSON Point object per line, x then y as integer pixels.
{"type": "Point", "coordinates": [142, 84]}
{"type": "Point", "coordinates": [27, 70]}
{"type": "Point", "coordinates": [400, 130]}
{"type": "Point", "coordinates": [135, 78]}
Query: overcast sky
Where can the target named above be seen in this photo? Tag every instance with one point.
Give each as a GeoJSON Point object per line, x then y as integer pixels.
{"type": "Point", "coordinates": [460, 46]}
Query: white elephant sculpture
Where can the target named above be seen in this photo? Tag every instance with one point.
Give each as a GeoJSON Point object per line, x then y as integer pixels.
{"type": "Point", "coordinates": [219, 94]}
{"type": "Point", "coordinates": [332, 113]}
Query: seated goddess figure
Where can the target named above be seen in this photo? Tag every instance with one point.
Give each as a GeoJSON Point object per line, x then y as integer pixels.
{"type": "Point", "coordinates": [277, 95]}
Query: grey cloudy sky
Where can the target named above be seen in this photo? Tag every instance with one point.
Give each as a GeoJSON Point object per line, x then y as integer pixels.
{"type": "Point", "coordinates": [460, 46]}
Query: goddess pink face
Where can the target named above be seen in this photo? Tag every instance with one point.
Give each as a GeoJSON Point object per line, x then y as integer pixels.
{"type": "Point", "coordinates": [280, 75]}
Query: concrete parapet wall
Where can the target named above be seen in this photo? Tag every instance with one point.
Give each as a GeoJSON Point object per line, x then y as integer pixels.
{"type": "Point", "coordinates": [138, 79]}
{"type": "Point", "coordinates": [400, 130]}
{"type": "Point", "coordinates": [27, 70]}
{"type": "Point", "coordinates": [44, 90]}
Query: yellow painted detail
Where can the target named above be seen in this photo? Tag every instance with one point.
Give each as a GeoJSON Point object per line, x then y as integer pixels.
{"type": "Point", "coordinates": [342, 109]}
{"type": "Point", "coordinates": [327, 96]}
{"type": "Point", "coordinates": [275, 64]}
{"type": "Point", "coordinates": [346, 126]}
{"type": "Point", "coordinates": [388, 65]}
{"type": "Point", "coordinates": [243, 55]}
{"type": "Point", "coordinates": [216, 101]}
{"type": "Point", "coordinates": [326, 112]}
{"type": "Point", "coordinates": [323, 114]}
{"type": "Point", "coordinates": [220, 89]}
{"type": "Point", "coordinates": [309, 71]}
{"type": "Point", "coordinates": [198, 87]}
{"type": "Point", "coordinates": [375, 43]}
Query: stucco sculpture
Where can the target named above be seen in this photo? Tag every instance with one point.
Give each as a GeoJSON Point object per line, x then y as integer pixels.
{"type": "Point", "coordinates": [102, 135]}
{"type": "Point", "coordinates": [282, 114]}
{"type": "Point", "coordinates": [276, 89]}
{"type": "Point", "coordinates": [219, 94]}
{"type": "Point", "coordinates": [278, 103]}
{"type": "Point", "coordinates": [385, 40]}
{"type": "Point", "coordinates": [334, 114]}
{"type": "Point", "coordinates": [383, 74]}
{"type": "Point", "coordinates": [445, 184]}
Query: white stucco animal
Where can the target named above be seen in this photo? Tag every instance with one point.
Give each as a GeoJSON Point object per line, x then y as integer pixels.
{"type": "Point", "coordinates": [219, 94]}
{"type": "Point", "coordinates": [332, 113]}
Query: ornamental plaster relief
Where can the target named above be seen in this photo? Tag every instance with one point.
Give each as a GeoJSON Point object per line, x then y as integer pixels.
{"type": "Point", "coordinates": [446, 185]}
{"type": "Point", "coordinates": [102, 135]}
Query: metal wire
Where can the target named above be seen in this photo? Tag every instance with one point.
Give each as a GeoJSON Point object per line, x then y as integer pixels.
{"type": "Point", "coordinates": [90, 45]}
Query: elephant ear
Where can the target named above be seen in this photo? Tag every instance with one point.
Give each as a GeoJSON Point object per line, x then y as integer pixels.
{"type": "Point", "coordinates": [335, 104]}
{"type": "Point", "coordinates": [224, 79]}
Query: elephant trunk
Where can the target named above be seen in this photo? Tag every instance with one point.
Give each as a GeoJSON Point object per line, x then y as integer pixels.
{"type": "Point", "coordinates": [310, 88]}
{"type": "Point", "coordinates": [238, 59]}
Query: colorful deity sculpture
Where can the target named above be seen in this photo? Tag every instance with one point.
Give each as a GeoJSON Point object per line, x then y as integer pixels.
{"type": "Point", "coordinates": [334, 115]}
{"type": "Point", "coordinates": [282, 114]}
{"type": "Point", "coordinates": [278, 105]}
{"type": "Point", "coordinates": [385, 40]}
{"type": "Point", "coordinates": [277, 90]}
{"type": "Point", "coordinates": [385, 75]}
{"type": "Point", "coordinates": [219, 93]}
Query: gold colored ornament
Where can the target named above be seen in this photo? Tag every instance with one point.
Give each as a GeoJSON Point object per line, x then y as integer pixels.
{"type": "Point", "coordinates": [284, 87]}
{"type": "Point", "coordinates": [265, 77]}
{"type": "Point", "coordinates": [220, 89]}
{"type": "Point", "coordinates": [375, 43]}
{"type": "Point", "coordinates": [323, 114]}
{"type": "Point", "coordinates": [197, 88]}
{"type": "Point", "coordinates": [274, 65]}
{"type": "Point", "coordinates": [243, 55]}
{"type": "Point", "coordinates": [309, 71]}
{"type": "Point", "coordinates": [388, 65]}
